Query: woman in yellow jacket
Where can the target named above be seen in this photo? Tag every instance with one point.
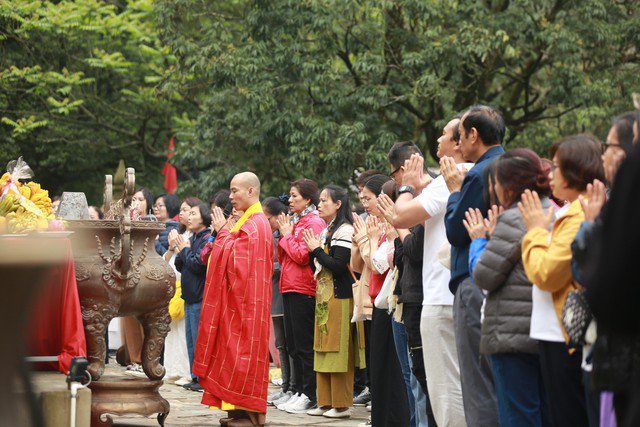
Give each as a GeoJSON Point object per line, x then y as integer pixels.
{"type": "Point", "coordinates": [547, 262]}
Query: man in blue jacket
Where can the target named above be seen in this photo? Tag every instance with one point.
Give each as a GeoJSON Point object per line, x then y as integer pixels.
{"type": "Point", "coordinates": [481, 132]}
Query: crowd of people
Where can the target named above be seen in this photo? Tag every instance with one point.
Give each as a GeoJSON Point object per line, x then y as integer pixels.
{"type": "Point", "coordinates": [494, 293]}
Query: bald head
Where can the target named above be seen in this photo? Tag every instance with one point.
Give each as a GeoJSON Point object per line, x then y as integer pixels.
{"type": "Point", "coordinates": [247, 179]}
{"type": "Point", "coordinates": [245, 190]}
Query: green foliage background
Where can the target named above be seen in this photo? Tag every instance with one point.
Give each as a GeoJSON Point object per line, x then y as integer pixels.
{"type": "Point", "coordinates": [291, 88]}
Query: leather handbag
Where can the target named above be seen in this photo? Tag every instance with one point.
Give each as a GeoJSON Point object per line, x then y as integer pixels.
{"type": "Point", "coordinates": [576, 317]}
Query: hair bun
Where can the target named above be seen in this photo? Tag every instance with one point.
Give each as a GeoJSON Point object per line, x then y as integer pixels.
{"type": "Point", "coordinates": [284, 199]}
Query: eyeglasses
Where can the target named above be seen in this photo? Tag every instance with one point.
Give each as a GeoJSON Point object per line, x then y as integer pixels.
{"type": "Point", "coordinates": [365, 200]}
{"type": "Point", "coordinates": [393, 174]}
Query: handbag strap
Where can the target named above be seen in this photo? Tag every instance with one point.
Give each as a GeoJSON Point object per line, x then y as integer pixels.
{"type": "Point", "coordinates": [352, 273]}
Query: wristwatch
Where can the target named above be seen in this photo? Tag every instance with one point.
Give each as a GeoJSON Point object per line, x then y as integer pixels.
{"type": "Point", "coordinates": [406, 189]}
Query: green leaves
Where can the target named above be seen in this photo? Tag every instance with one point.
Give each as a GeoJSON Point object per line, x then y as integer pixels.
{"type": "Point", "coordinates": [84, 84]}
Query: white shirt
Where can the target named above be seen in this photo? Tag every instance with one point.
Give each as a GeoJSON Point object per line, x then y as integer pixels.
{"type": "Point", "coordinates": [545, 325]}
{"type": "Point", "coordinates": [435, 276]}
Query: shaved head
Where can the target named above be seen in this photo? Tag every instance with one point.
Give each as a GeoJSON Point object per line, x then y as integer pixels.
{"type": "Point", "coordinates": [245, 190]}
{"type": "Point", "coordinates": [247, 179]}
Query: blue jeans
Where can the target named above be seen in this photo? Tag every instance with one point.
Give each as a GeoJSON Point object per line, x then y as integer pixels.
{"type": "Point", "coordinates": [192, 320]}
{"type": "Point", "coordinates": [402, 349]}
{"type": "Point", "coordinates": [522, 400]}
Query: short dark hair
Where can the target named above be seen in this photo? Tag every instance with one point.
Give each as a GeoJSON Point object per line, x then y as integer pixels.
{"type": "Point", "coordinates": [580, 160]}
{"type": "Point", "coordinates": [274, 206]}
{"type": "Point", "coordinates": [220, 199]}
{"type": "Point", "coordinates": [402, 151]}
{"type": "Point", "coordinates": [487, 121]}
{"type": "Point", "coordinates": [308, 189]}
{"type": "Point", "coordinates": [344, 214]}
{"type": "Point", "coordinates": [624, 128]}
{"type": "Point", "coordinates": [191, 202]}
{"type": "Point", "coordinates": [375, 183]}
{"type": "Point", "coordinates": [521, 169]}
{"type": "Point", "coordinates": [364, 176]}
{"type": "Point", "coordinates": [205, 213]}
{"type": "Point", "coordinates": [171, 202]}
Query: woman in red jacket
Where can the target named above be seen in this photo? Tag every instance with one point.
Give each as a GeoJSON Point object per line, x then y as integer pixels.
{"type": "Point", "coordinates": [298, 289]}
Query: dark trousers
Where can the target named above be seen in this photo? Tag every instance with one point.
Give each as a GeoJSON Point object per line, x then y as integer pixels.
{"type": "Point", "coordinates": [562, 376]}
{"type": "Point", "coordinates": [389, 404]}
{"type": "Point", "coordinates": [361, 377]}
{"type": "Point", "coordinates": [192, 321]}
{"type": "Point", "coordinates": [476, 379]}
{"type": "Point", "coordinates": [522, 399]}
{"type": "Point", "coordinates": [299, 322]}
{"type": "Point", "coordinates": [288, 380]}
{"type": "Point", "coordinates": [411, 315]}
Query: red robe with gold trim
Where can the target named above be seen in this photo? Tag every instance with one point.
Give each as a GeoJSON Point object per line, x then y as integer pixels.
{"type": "Point", "coordinates": [232, 349]}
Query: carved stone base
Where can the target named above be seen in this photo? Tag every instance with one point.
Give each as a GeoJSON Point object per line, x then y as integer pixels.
{"type": "Point", "coordinates": [116, 395]}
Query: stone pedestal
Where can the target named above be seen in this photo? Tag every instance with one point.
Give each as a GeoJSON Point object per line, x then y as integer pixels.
{"type": "Point", "coordinates": [51, 392]}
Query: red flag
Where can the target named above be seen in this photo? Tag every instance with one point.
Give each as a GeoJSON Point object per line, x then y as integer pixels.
{"type": "Point", "coordinates": [169, 172]}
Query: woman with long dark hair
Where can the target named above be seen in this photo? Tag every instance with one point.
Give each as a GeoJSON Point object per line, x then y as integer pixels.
{"type": "Point", "coordinates": [499, 270]}
{"type": "Point", "coordinates": [336, 351]}
{"type": "Point", "coordinates": [298, 287]}
{"type": "Point", "coordinates": [389, 400]}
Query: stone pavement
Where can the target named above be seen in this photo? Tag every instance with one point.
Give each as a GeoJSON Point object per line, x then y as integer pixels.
{"type": "Point", "coordinates": [186, 410]}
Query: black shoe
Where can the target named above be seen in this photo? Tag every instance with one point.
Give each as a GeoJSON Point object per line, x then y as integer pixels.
{"type": "Point", "coordinates": [193, 386]}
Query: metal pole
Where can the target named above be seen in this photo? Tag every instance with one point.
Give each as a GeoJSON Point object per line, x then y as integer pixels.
{"type": "Point", "coordinates": [75, 386]}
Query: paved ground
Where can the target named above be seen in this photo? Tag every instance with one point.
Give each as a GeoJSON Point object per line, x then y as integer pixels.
{"type": "Point", "coordinates": [186, 410]}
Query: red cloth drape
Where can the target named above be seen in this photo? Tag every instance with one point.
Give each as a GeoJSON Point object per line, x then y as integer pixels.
{"type": "Point", "coordinates": [55, 327]}
{"type": "Point", "coordinates": [169, 172]}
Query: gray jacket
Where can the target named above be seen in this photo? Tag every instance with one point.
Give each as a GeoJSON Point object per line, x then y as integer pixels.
{"type": "Point", "coordinates": [499, 270]}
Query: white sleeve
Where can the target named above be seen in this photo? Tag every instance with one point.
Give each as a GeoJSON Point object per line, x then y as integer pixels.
{"type": "Point", "coordinates": [379, 259]}
{"type": "Point", "coordinates": [434, 197]}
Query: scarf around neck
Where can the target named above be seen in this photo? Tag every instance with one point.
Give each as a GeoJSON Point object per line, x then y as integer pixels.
{"type": "Point", "coordinates": [297, 217]}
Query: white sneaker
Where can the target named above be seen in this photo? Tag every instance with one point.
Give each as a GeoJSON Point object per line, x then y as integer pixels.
{"type": "Point", "coordinates": [283, 405]}
{"type": "Point", "coordinates": [319, 411]}
{"type": "Point", "coordinates": [301, 405]}
{"type": "Point", "coordinates": [334, 413]}
{"type": "Point", "coordinates": [284, 399]}
{"type": "Point", "coordinates": [274, 396]}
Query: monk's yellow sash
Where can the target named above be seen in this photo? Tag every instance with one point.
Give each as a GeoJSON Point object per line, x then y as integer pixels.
{"type": "Point", "coordinates": [256, 207]}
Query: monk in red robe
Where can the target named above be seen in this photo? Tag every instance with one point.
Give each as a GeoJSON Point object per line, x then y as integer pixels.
{"type": "Point", "coordinates": [232, 349]}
